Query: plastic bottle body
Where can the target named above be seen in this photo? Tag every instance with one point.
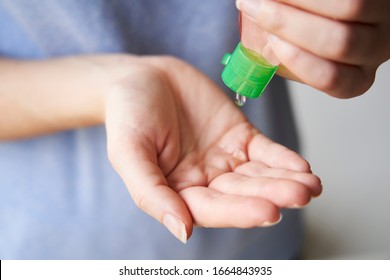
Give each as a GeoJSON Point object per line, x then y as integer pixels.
{"type": "Point", "coordinates": [252, 65]}
{"type": "Point", "coordinates": [255, 40]}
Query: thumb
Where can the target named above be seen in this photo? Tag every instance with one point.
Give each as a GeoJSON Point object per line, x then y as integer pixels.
{"type": "Point", "coordinates": [135, 160]}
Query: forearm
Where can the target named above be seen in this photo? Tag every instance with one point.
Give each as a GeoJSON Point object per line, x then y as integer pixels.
{"type": "Point", "coordinates": [46, 96]}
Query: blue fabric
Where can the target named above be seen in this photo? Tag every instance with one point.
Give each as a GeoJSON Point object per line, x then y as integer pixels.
{"type": "Point", "coordinates": [59, 196]}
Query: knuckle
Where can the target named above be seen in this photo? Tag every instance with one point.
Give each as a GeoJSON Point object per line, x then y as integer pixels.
{"type": "Point", "coordinates": [352, 9]}
{"type": "Point", "coordinates": [301, 165]}
{"type": "Point", "coordinates": [276, 19]}
{"type": "Point", "coordinates": [291, 54]}
{"type": "Point", "coordinates": [352, 43]}
{"type": "Point", "coordinates": [345, 82]}
{"type": "Point", "coordinates": [366, 82]}
{"type": "Point", "coordinates": [328, 78]}
{"type": "Point", "coordinates": [383, 44]}
{"type": "Point", "coordinates": [343, 38]}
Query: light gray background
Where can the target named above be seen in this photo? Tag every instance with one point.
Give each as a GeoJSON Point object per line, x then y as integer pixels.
{"type": "Point", "coordinates": [347, 143]}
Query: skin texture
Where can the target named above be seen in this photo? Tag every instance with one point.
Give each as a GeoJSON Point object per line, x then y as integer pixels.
{"type": "Point", "coordinates": [187, 155]}
{"type": "Point", "coordinates": [335, 46]}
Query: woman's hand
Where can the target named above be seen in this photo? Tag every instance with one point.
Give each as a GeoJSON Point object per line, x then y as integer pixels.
{"type": "Point", "coordinates": [335, 46]}
{"type": "Point", "coordinates": [189, 157]}
{"type": "Point", "coordinates": [186, 153]}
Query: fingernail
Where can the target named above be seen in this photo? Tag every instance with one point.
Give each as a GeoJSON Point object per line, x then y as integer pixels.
{"type": "Point", "coordinates": [268, 224]}
{"type": "Point", "coordinates": [176, 227]}
{"type": "Point", "coordinates": [250, 7]}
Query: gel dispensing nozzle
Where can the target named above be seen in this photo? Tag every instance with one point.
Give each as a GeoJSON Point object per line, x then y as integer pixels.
{"type": "Point", "coordinates": [251, 66]}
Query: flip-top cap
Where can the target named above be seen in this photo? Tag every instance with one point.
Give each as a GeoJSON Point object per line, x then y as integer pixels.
{"type": "Point", "coordinates": [246, 72]}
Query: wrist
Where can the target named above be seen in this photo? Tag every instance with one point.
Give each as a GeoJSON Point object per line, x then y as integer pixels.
{"type": "Point", "coordinates": [46, 96]}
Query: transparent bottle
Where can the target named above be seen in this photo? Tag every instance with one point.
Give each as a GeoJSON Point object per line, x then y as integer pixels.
{"type": "Point", "coordinates": [251, 66]}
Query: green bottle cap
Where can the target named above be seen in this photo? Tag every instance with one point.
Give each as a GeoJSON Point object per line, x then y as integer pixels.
{"type": "Point", "coordinates": [246, 72]}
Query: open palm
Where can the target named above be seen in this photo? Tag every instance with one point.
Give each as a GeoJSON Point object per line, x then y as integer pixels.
{"type": "Point", "coordinates": [189, 157]}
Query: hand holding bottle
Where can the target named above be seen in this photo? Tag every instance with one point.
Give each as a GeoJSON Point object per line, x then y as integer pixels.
{"type": "Point", "coordinates": [334, 46]}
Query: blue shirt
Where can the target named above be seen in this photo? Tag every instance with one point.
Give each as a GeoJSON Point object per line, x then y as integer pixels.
{"type": "Point", "coordinates": [59, 196]}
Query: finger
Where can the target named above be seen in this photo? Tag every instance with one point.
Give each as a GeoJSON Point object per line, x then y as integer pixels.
{"type": "Point", "coordinates": [210, 208]}
{"type": "Point", "coordinates": [350, 43]}
{"type": "Point", "coordinates": [256, 170]}
{"type": "Point", "coordinates": [338, 80]}
{"type": "Point", "coordinates": [348, 10]}
{"type": "Point", "coordinates": [274, 155]}
{"type": "Point", "coordinates": [280, 191]}
{"type": "Point", "coordinates": [135, 161]}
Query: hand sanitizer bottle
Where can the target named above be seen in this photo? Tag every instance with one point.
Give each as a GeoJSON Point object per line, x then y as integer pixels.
{"type": "Point", "coordinates": [251, 66]}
